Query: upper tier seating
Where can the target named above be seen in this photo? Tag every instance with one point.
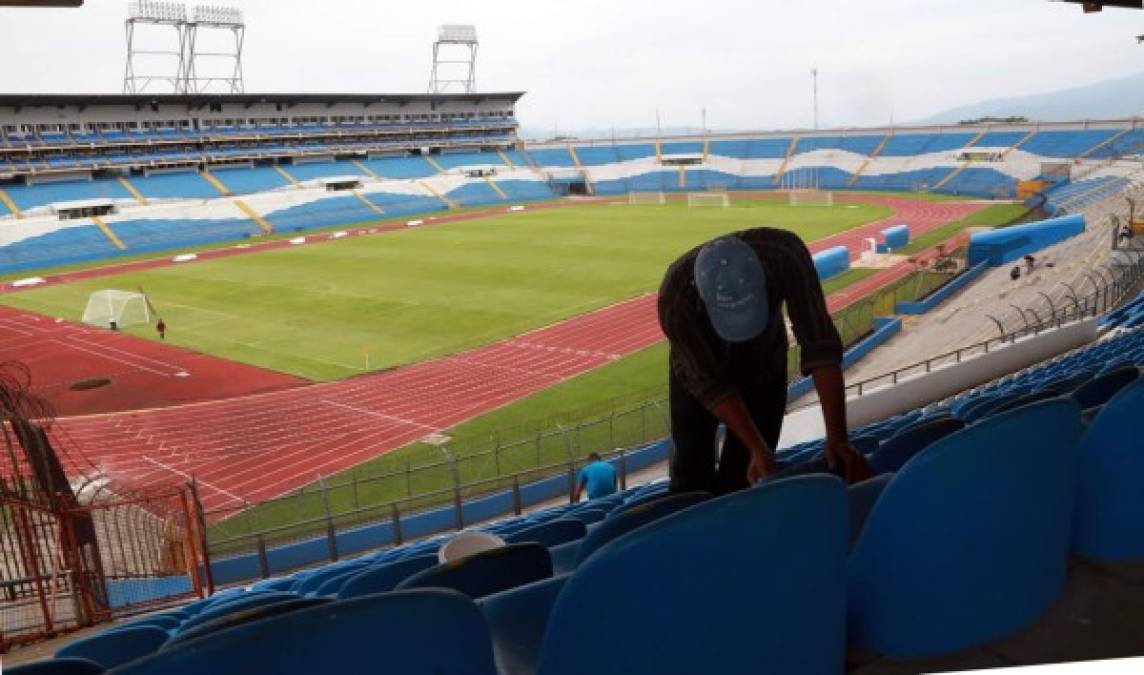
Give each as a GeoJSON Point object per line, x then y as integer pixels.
{"type": "Point", "coordinates": [1000, 139]}
{"type": "Point", "coordinates": [904, 145]}
{"type": "Point", "coordinates": [41, 194]}
{"type": "Point", "coordinates": [861, 145]}
{"type": "Point", "coordinates": [1065, 143]}
{"type": "Point", "coordinates": [681, 148]}
{"type": "Point", "coordinates": [459, 159]}
{"type": "Point", "coordinates": [597, 155]}
{"type": "Point", "coordinates": [1131, 143]}
{"type": "Point", "coordinates": [400, 167]}
{"type": "Point", "coordinates": [179, 185]}
{"type": "Point", "coordinates": [245, 180]}
{"type": "Point", "coordinates": [553, 157]}
{"type": "Point", "coordinates": [314, 170]}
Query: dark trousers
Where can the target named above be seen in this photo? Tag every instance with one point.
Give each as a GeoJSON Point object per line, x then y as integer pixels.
{"type": "Point", "coordinates": [696, 463]}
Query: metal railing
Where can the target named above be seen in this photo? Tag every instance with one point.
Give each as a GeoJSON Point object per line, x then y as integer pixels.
{"type": "Point", "coordinates": [428, 477]}
{"type": "Point", "coordinates": [1103, 299]}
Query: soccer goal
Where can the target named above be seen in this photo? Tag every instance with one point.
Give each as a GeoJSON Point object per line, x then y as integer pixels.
{"type": "Point", "coordinates": [708, 199]}
{"type": "Point", "coordinates": [646, 198]}
{"type": "Point", "coordinates": [811, 198]}
{"type": "Point", "coordinates": [123, 307]}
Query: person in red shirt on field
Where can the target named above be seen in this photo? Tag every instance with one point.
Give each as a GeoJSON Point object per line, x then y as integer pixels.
{"type": "Point", "coordinates": [161, 327]}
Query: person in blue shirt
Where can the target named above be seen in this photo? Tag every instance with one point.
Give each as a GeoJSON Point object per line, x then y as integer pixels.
{"type": "Point", "coordinates": [598, 476]}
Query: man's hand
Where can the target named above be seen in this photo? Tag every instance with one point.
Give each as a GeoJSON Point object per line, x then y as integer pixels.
{"type": "Point", "coordinates": [762, 465]}
{"type": "Point", "coordinates": [854, 466]}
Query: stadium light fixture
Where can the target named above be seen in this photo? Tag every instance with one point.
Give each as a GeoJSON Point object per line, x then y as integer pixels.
{"type": "Point", "coordinates": [457, 33]}
{"type": "Point", "coordinates": [217, 15]}
{"type": "Point", "coordinates": [157, 11]}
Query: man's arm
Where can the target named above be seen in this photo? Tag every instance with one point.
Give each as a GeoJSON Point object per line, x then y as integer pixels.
{"type": "Point", "coordinates": [832, 398]}
{"type": "Point", "coordinates": [579, 488]}
{"type": "Point", "coordinates": [733, 412]}
{"type": "Point", "coordinates": [821, 358]}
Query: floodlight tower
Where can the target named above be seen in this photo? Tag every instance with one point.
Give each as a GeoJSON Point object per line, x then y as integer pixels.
{"type": "Point", "coordinates": [460, 60]}
{"type": "Point", "coordinates": [219, 20]}
{"type": "Point", "coordinates": [161, 14]}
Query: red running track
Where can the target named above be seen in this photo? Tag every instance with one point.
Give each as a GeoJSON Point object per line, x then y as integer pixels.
{"type": "Point", "coordinates": [141, 373]}
{"type": "Point", "coordinates": [247, 449]}
{"type": "Point", "coordinates": [252, 448]}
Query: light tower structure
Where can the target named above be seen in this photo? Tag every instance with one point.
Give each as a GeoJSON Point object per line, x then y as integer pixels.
{"type": "Point", "coordinates": [214, 20]}
{"type": "Point", "coordinates": [454, 59]}
{"type": "Point", "coordinates": [166, 24]}
{"type": "Point", "coordinates": [193, 69]}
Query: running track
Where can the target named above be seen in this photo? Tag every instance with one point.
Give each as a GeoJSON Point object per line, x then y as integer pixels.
{"type": "Point", "coordinates": [250, 448]}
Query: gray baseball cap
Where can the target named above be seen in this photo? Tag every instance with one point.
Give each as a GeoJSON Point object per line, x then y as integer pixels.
{"type": "Point", "coordinates": [733, 287]}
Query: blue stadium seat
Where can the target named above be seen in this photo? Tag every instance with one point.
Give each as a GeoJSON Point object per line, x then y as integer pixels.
{"type": "Point", "coordinates": [1022, 400]}
{"type": "Point", "coordinates": [1109, 520]}
{"type": "Point", "coordinates": [243, 616]}
{"type": "Point", "coordinates": [620, 523]}
{"type": "Point", "coordinates": [895, 451]}
{"type": "Point", "coordinates": [382, 578]}
{"type": "Point", "coordinates": [552, 533]}
{"type": "Point", "coordinates": [60, 666]}
{"type": "Point", "coordinates": [165, 622]}
{"type": "Point", "coordinates": [693, 609]}
{"type": "Point", "coordinates": [487, 572]}
{"type": "Point", "coordinates": [313, 581]}
{"type": "Point", "coordinates": [589, 516]}
{"type": "Point", "coordinates": [115, 647]}
{"type": "Point", "coordinates": [861, 498]}
{"type": "Point", "coordinates": [1100, 389]}
{"type": "Point", "coordinates": [275, 584]}
{"type": "Point", "coordinates": [419, 632]}
{"type": "Point", "coordinates": [236, 604]}
{"type": "Point", "coordinates": [966, 543]}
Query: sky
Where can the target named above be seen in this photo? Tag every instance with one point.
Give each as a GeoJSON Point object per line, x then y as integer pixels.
{"type": "Point", "coordinates": [599, 64]}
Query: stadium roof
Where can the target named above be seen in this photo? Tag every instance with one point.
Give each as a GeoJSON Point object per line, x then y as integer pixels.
{"type": "Point", "coordinates": [202, 100]}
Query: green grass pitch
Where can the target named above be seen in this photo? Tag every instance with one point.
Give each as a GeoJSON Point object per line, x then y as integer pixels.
{"type": "Point", "coordinates": [317, 310]}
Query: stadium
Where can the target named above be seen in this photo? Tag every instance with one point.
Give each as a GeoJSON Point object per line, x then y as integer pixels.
{"type": "Point", "coordinates": [269, 362]}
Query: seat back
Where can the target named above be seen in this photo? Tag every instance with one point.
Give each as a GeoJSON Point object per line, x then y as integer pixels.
{"type": "Point", "coordinates": [1099, 390]}
{"type": "Point", "coordinates": [384, 577]}
{"type": "Point", "coordinates": [422, 632]}
{"type": "Point", "coordinates": [969, 541]}
{"type": "Point", "coordinates": [114, 647]}
{"type": "Point", "coordinates": [64, 666]}
{"type": "Point", "coordinates": [236, 605]}
{"type": "Point", "coordinates": [620, 524]}
{"type": "Point", "coordinates": [634, 502]}
{"type": "Point", "coordinates": [1042, 395]}
{"type": "Point", "coordinates": [242, 616]}
{"type": "Point", "coordinates": [314, 581]}
{"type": "Point", "coordinates": [552, 533]}
{"type": "Point", "coordinates": [1109, 522]}
{"type": "Point", "coordinates": [896, 450]}
{"type": "Point", "coordinates": [487, 572]}
{"type": "Point", "coordinates": [694, 579]}
{"type": "Point", "coordinates": [588, 516]}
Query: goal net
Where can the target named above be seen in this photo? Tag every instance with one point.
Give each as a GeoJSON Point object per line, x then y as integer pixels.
{"type": "Point", "coordinates": [123, 307]}
{"type": "Point", "coordinates": [646, 198]}
{"type": "Point", "coordinates": [811, 198]}
{"type": "Point", "coordinates": [708, 199]}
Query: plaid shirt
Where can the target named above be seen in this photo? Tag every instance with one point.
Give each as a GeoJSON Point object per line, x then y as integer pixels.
{"type": "Point", "coordinates": [712, 369]}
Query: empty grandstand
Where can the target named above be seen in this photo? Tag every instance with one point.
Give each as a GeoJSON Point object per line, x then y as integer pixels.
{"type": "Point", "coordinates": [297, 382]}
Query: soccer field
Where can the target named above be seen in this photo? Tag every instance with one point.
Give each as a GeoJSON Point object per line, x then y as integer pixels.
{"type": "Point", "coordinates": [321, 310]}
